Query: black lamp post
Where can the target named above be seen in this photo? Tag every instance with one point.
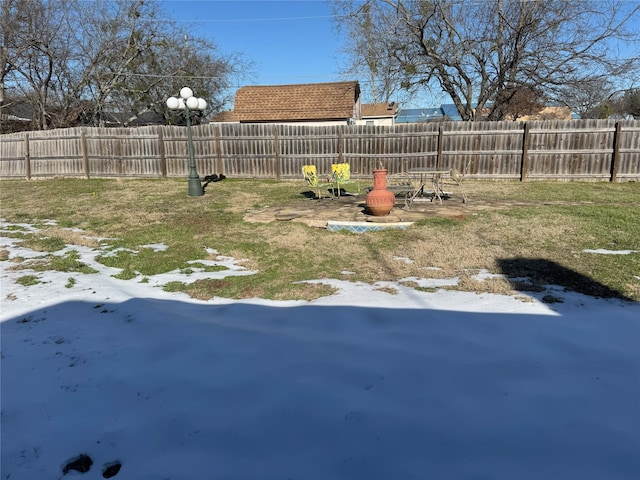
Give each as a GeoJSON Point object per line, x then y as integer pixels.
{"type": "Point", "coordinates": [187, 102]}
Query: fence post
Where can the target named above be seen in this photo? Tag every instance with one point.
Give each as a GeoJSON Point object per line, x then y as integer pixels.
{"type": "Point", "coordinates": [27, 157]}
{"type": "Point", "coordinates": [85, 153]}
{"type": "Point", "coordinates": [216, 133]}
{"type": "Point", "coordinates": [118, 154]}
{"type": "Point", "coordinates": [440, 142]}
{"type": "Point", "coordinates": [340, 145]}
{"type": "Point", "coordinates": [276, 151]}
{"type": "Point", "coordinates": [161, 153]}
{"type": "Point", "coordinates": [524, 161]}
{"type": "Point", "coordinates": [615, 157]}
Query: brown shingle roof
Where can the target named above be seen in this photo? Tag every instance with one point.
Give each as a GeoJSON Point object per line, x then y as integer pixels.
{"type": "Point", "coordinates": [225, 116]}
{"type": "Point", "coordinates": [379, 109]}
{"type": "Point", "coordinates": [311, 101]}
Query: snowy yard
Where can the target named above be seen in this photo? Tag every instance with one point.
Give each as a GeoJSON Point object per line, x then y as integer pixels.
{"type": "Point", "coordinates": [365, 384]}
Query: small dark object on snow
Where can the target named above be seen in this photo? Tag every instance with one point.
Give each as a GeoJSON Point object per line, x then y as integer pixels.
{"type": "Point", "coordinates": [81, 463]}
{"type": "Point", "coordinates": [111, 469]}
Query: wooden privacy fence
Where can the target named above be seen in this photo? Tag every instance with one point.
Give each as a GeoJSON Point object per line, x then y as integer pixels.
{"type": "Point", "coordinates": [597, 150]}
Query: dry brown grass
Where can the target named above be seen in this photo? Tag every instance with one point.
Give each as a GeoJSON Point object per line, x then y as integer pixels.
{"type": "Point", "coordinates": [490, 285]}
{"type": "Point", "coordinates": [284, 252]}
{"type": "Point", "coordinates": [71, 237]}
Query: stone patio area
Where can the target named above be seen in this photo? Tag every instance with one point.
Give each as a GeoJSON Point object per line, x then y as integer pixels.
{"type": "Point", "coordinates": [352, 208]}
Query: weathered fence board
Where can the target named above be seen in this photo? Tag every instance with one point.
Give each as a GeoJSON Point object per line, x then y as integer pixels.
{"type": "Point", "coordinates": [563, 150]}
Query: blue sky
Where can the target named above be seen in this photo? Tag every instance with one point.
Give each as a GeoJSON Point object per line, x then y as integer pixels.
{"type": "Point", "coordinates": [288, 41]}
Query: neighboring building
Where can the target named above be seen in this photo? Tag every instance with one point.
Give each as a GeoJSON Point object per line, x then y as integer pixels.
{"type": "Point", "coordinates": [18, 116]}
{"type": "Point", "coordinates": [551, 112]}
{"type": "Point", "coordinates": [419, 115]}
{"type": "Point", "coordinates": [448, 112]}
{"type": "Point", "coordinates": [335, 103]}
{"type": "Point", "coordinates": [224, 117]}
{"type": "Point", "coordinates": [15, 117]}
{"type": "Point", "coordinates": [378, 113]}
{"type": "Point", "coordinates": [120, 119]}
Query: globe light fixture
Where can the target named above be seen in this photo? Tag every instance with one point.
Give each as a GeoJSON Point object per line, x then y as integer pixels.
{"type": "Point", "coordinates": [189, 104]}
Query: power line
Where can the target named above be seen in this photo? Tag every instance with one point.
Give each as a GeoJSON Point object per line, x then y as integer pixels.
{"type": "Point", "coordinates": [204, 77]}
{"type": "Point", "coordinates": [273, 19]}
{"type": "Point", "coordinates": [151, 75]}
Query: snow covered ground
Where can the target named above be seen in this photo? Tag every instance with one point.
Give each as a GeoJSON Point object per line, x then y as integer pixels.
{"type": "Point", "coordinates": [365, 384]}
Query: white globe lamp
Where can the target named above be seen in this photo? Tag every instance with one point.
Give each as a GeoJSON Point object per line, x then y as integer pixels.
{"type": "Point", "coordinates": [173, 103]}
{"type": "Point", "coordinates": [192, 103]}
{"type": "Point", "coordinates": [187, 102]}
{"type": "Point", "coordinates": [186, 92]}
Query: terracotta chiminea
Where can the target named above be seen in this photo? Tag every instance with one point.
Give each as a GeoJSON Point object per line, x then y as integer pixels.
{"type": "Point", "coordinates": [380, 200]}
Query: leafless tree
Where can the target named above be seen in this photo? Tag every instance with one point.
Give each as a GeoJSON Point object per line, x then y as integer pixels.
{"type": "Point", "coordinates": [588, 98]}
{"type": "Point", "coordinates": [484, 54]}
{"type": "Point", "coordinates": [5, 63]}
{"type": "Point", "coordinates": [76, 61]}
{"type": "Point", "coordinates": [35, 47]}
{"type": "Point", "coordinates": [185, 60]}
{"type": "Point", "coordinates": [371, 60]}
{"type": "Point", "coordinates": [631, 103]}
{"type": "Point", "coordinates": [619, 104]}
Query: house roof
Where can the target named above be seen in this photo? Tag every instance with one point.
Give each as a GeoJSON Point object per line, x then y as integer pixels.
{"type": "Point", "coordinates": [451, 111]}
{"type": "Point", "coordinates": [310, 101]}
{"type": "Point", "coordinates": [133, 120]}
{"type": "Point", "coordinates": [224, 116]}
{"type": "Point", "coordinates": [416, 115]}
{"type": "Point", "coordinates": [379, 109]}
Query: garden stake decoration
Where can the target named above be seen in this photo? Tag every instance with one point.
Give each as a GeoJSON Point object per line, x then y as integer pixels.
{"type": "Point", "coordinates": [188, 104]}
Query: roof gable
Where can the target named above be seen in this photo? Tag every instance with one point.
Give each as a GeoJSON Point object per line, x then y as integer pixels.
{"type": "Point", "coordinates": [311, 101]}
{"type": "Point", "coordinates": [451, 111]}
{"type": "Point", "coordinates": [379, 109]}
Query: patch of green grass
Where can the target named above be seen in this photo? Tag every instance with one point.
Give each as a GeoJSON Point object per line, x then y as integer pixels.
{"type": "Point", "coordinates": [126, 275]}
{"type": "Point", "coordinates": [207, 268]}
{"type": "Point", "coordinates": [147, 262]}
{"type": "Point", "coordinates": [16, 234]}
{"type": "Point", "coordinates": [15, 228]}
{"type": "Point", "coordinates": [69, 262]}
{"type": "Point", "coordinates": [175, 287]}
{"type": "Point", "coordinates": [561, 256]}
{"type": "Point", "coordinates": [28, 280]}
{"type": "Point", "coordinates": [426, 289]}
{"type": "Point", "coordinates": [43, 244]}
{"type": "Point", "coordinates": [70, 282]}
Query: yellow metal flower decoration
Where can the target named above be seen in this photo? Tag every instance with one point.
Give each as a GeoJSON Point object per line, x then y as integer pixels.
{"type": "Point", "coordinates": [341, 172]}
{"type": "Point", "coordinates": [310, 175]}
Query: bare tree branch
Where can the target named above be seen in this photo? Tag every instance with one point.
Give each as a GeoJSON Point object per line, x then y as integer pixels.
{"type": "Point", "coordinates": [487, 55]}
